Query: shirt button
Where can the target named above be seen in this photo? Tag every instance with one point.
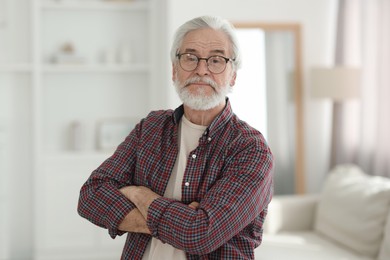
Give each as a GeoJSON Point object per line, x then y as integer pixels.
{"type": "Point", "coordinates": [187, 184]}
{"type": "Point", "coordinates": [209, 139]}
{"type": "Point", "coordinates": [193, 156]}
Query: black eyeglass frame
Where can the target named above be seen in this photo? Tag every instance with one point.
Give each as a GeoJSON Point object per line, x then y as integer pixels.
{"type": "Point", "coordinates": [178, 55]}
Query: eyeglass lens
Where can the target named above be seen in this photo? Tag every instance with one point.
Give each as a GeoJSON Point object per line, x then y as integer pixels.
{"type": "Point", "coordinates": [189, 62]}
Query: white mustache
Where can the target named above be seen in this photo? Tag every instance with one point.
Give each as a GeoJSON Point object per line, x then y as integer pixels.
{"type": "Point", "coordinates": [197, 79]}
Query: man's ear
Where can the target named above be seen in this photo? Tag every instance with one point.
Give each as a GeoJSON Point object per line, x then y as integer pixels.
{"type": "Point", "coordinates": [174, 68]}
{"type": "Point", "coordinates": [233, 79]}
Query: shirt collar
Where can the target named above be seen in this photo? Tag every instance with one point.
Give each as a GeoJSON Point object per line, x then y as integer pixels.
{"type": "Point", "coordinates": [218, 122]}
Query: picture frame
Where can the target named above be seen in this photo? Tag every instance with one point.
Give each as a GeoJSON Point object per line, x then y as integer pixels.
{"type": "Point", "coordinates": [113, 131]}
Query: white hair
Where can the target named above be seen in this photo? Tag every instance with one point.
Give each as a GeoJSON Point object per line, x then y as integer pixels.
{"type": "Point", "coordinates": [213, 22]}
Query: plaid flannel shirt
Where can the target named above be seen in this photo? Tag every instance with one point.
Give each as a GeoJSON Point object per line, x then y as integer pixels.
{"type": "Point", "coordinates": [229, 174]}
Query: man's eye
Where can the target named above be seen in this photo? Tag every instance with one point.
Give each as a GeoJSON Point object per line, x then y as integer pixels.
{"type": "Point", "coordinates": [192, 58]}
{"type": "Point", "coordinates": [215, 60]}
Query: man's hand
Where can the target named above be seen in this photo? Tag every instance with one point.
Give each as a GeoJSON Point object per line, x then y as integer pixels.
{"type": "Point", "coordinates": [134, 222]}
{"type": "Point", "coordinates": [141, 196]}
{"type": "Point", "coordinates": [194, 205]}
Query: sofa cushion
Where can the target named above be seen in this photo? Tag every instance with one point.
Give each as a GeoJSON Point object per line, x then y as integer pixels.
{"type": "Point", "coordinates": [353, 209]}
{"type": "Point", "coordinates": [291, 213]}
{"type": "Point", "coordinates": [384, 253]}
{"type": "Point", "coordinates": [302, 245]}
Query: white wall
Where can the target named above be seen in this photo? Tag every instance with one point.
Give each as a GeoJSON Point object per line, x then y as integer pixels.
{"type": "Point", "coordinates": [3, 195]}
{"type": "Point", "coordinates": [317, 18]}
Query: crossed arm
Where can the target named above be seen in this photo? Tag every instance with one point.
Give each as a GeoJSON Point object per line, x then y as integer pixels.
{"type": "Point", "coordinates": [230, 204]}
{"type": "Point", "coordinates": [142, 197]}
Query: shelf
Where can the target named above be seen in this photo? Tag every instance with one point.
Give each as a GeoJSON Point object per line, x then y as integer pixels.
{"type": "Point", "coordinates": [76, 156]}
{"type": "Point", "coordinates": [75, 68]}
{"type": "Point", "coordinates": [72, 162]}
{"type": "Point", "coordinates": [82, 68]}
{"type": "Point", "coordinates": [17, 67]}
{"type": "Point", "coordinates": [95, 5]}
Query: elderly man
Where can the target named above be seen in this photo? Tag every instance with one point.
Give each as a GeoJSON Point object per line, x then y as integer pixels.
{"type": "Point", "coordinates": [190, 183]}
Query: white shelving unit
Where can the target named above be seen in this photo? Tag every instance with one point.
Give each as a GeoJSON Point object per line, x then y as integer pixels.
{"type": "Point", "coordinates": [92, 85]}
{"type": "Point", "coordinates": [110, 68]}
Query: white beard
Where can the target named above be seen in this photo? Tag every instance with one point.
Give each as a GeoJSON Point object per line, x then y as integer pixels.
{"type": "Point", "coordinates": [199, 100]}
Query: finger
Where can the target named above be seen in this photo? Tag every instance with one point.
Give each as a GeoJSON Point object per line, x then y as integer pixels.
{"type": "Point", "coordinates": [123, 190]}
{"type": "Point", "coordinates": [194, 205]}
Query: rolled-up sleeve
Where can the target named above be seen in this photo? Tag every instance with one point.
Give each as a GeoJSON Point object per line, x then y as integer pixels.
{"type": "Point", "coordinates": [104, 206]}
{"type": "Point", "coordinates": [100, 200]}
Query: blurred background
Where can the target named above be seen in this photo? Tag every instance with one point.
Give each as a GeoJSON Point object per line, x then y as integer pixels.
{"type": "Point", "coordinates": [77, 75]}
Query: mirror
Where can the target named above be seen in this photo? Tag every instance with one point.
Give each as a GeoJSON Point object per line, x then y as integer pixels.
{"type": "Point", "coordinates": [283, 97]}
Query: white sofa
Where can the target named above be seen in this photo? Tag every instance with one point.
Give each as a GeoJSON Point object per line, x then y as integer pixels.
{"type": "Point", "coordinates": [349, 220]}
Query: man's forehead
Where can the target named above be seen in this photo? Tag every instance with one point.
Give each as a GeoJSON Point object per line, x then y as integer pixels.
{"type": "Point", "coordinates": [213, 51]}
{"type": "Point", "coordinates": [206, 39]}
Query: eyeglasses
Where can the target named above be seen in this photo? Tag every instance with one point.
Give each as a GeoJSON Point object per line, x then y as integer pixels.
{"type": "Point", "coordinates": [216, 64]}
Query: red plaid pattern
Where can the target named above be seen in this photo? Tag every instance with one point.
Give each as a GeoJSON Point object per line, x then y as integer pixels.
{"type": "Point", "coordinates": [229, 174]}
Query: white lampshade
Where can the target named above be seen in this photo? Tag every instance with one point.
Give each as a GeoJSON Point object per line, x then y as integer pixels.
{"type": "Point", "coordinates": [336, 83]}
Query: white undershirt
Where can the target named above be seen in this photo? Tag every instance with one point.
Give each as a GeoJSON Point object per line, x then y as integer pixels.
{"type": "Point", "coordinates": [189, 135]}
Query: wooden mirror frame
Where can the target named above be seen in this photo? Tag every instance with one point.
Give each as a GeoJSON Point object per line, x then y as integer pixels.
{"type": "Point", "coordinates": [300, 183]}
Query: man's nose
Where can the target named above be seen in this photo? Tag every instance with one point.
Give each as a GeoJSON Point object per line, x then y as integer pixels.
{"type": "Point", "coordinates": [202, 68]}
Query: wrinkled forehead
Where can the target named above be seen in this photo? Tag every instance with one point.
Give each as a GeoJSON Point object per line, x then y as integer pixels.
{"type": "Point", "coordinates": [206, 41]}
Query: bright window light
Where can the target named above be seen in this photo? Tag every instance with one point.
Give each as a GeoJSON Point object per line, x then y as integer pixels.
{"type": "Point", "coordinates": [249, 93]}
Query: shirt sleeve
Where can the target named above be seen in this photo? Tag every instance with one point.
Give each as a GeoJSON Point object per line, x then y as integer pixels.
{"type": "Point", "coordinates": [233, 202]}
{"type": "Point", "coordinates": [100, 200]}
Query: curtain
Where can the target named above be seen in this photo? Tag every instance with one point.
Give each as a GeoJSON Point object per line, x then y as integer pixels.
{"type": "Point", "coordinates": [362, 128]}
{"type": "Point", "coordinates": [281, 120]}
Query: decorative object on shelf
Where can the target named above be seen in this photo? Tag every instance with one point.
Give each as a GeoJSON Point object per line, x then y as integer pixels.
{"type": "Point", "coordinates": [121, 55]}
{"type": "Point", "coordinates": [67, 55]}
{"type": "Point", "coordinates": [108, 56]}
{"type": "Point", "coordinates": [77, 136]}
{"type": "Point", "coordinates": [124, 54]}
{"type": "Point", "coordinates": [111, 132]}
